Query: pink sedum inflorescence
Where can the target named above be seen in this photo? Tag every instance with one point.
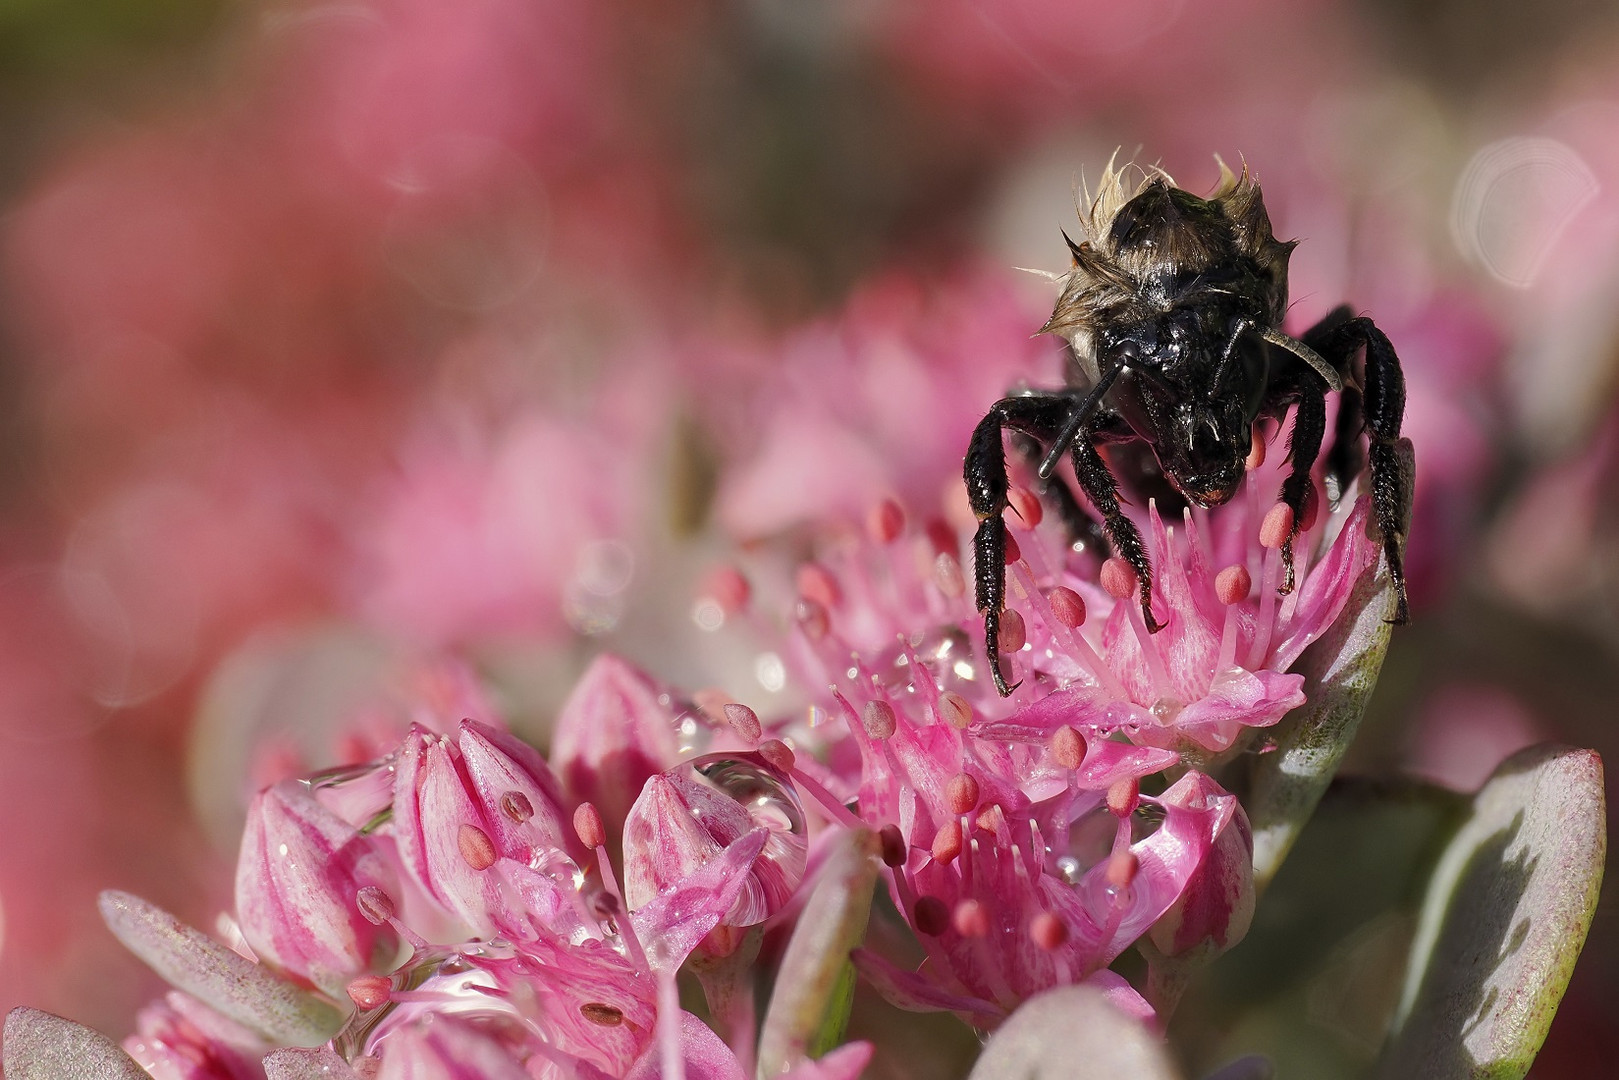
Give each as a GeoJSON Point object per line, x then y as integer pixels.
{"type": "Point", "coordinates": [1022, 849]}
{"type": "Point", "coordinates": [461, 905]}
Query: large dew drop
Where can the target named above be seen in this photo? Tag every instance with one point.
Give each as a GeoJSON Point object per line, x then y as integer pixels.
{"type": "Point", "coordinates": [946, 653]}
{"type": "Point", "coordinates": [770, 800]}
{"type": "Point", "coordinates": [361, 795]}
{"type": "Point", "coordinates": [1091, 836]}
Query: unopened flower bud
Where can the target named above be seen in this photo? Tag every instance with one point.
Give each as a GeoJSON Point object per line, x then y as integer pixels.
{"type": "Point", "coordinates": [299, 870]}
{"type": "Point", "coordinates": [1217, 905]}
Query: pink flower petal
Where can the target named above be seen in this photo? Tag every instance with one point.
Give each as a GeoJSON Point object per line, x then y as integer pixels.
{"type": "Point", "coordinates": [1239, 699]}
{"type": "Point", "coordinates": [447, 1049]}
{"type": "Point", "coordinates": [613, 733]}
{"type": "Point", "coordinates": [917, 993]}
{"type": "Point", "coordinates": [502, 767]}
{"type": "Point", "coordinates": [706, 1057]}
{"type": "Point", "coordinates": [1326, 590]}
{"type": "Point", "coordinates": [673, 922]}
{"type": "Point", "coordinates": [847, 1062]}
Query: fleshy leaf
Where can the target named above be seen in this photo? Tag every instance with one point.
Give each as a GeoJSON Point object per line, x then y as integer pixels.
{"type": "Point", "coordinates": [1247, 1067]}
{"type": "Point", "coordinates": [1314, 984]}
{"type": "Point", "coordinates": [298, 1063]}
{"type": "Point", "coordinates": [205, 969]}
{"type": "Point", "coordinates": [1505, 916]}
{"type": "Point", "coordinates": [42, 1046]}
{"type": "Point", "coordinates": [1340, 671]}
{"type": "Point", "coordinates": [806, 1008]}
{"type": "Point", "coordinates": [1073, 1033]}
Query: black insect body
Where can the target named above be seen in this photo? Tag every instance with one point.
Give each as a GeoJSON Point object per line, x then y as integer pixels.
{"type": "Point", "coordinates": [1172, 313]}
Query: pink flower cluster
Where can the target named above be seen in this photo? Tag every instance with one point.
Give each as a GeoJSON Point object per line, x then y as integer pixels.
{"type": "Point", "coordinates": [1023, 849]}
{"type": "Point", "coordinates": [463, 904]}
{"type": "Point", "coordinates": [447, 893]}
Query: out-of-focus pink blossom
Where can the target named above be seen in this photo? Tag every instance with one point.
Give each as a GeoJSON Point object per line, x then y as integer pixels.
{"type": "Point", "coordinates": [1464, 730]}
{"type": "Point", "coordinates": [877, 403]}
{"type": "Point", "coordinates": [523, 532]}
{"type": "Point", "coordinates": [617, 729]}
{"type": "Point", "coordinates": [1035, 61]}
{"type": "Point", "coordinates": [179, 1038]}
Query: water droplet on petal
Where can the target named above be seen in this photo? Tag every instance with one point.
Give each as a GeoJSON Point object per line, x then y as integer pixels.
{"type": "Point", "coordinates": [1101, 897]}
{"type": "Point", "coordinates": [1089, 841]}
{"type": "Point", "coordinates": [1165, 709]}
{"type": "Point", "coordinates": [361, 795]}
{"type": "Point", "coordinates": [945, 651]}
{"type": "Point", "coordinates": [1145, 820]}
{"type": "Point", "coordinates": [771, 801]}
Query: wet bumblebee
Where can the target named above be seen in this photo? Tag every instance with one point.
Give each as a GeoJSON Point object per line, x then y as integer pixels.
{"type": "Point", "coordinates": [1172, 315]}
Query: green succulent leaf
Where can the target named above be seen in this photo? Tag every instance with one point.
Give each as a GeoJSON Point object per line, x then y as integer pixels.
{"type": "Point", "coordinates": [1073, 1033]}
{"type": "Point", "coordinates": [1315, 983]}
{"type": "Point", "coordinates": [809, 1008]}
{"type": "Point", "coordinates": [1504, 919]}
{"type": "Point", "coordinates": [43, 1046]}
{"type": "Point", "coordinates": [246, 992]}
{"type": "Point", "coordinates": [1340, 671]}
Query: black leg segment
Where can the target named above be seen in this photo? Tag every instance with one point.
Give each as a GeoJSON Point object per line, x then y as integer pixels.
{"type": "Point", "coordinates": [1041, 417]}
{"type": "Point", "coordinates": [1103, 491]}
{"type": "Point", "coordinates": [1383, 407]}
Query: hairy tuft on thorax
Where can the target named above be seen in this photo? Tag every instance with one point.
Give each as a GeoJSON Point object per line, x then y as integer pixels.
{"type": "Point", "coordinates": [1148, 243]}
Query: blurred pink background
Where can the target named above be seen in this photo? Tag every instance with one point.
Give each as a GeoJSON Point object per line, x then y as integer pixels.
{"type": "Point", "coordinates": [333, 335]}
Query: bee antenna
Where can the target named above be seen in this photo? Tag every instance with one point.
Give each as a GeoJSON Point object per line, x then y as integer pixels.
{"type": "Point", "coordinates": [1334, 380]}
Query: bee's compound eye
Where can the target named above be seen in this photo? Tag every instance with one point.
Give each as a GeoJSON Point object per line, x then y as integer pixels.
{"type": "Point", "coordinates": [1126, 351]}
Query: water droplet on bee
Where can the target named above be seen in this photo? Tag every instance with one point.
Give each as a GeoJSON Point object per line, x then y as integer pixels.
{"type": "Point", "coordinates": [770, 800]}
